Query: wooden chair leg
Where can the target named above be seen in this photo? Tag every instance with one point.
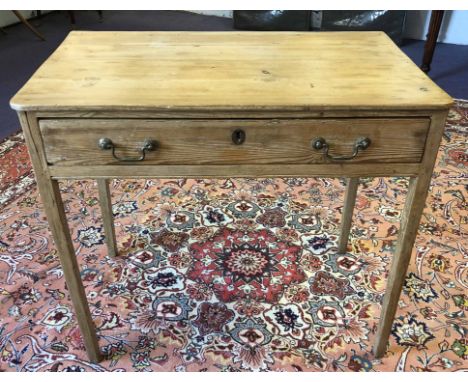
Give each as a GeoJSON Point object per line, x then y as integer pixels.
{"type": "Point", "coordinates": [26, 22]}
{"type": "Point", "coordinates": [107, 216]}
{"type": "Point", "coordinates": [350, 200]}
{"type": "Point", "coordinates": [51, 198]}
{"type": "Point", "coordinates": [431, 40]}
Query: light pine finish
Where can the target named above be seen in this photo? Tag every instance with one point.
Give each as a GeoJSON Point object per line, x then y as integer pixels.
{"type": "Point", "coordinates": [53, 206]}
{"type": "Point", "coordinates": [191, 90]}
{"type": "Point", "coordinates": [105, 202]}
{"type": "Point", "coordinates": [411, 215]}
{"type": "Point", "coordinates": [209, 171]}
{"type": "Point", "coordinates": [347, 215]}
{"type": "Point", "coordinates": [231, 114]}
{"type": "Point", "coordinates": [229, 71]}
{"type": "Point", "coordinates": [74, 142]}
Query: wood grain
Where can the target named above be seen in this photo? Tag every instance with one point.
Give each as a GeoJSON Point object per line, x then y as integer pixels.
{"type": "Point", "coordinates": [230, 71]}
{"type": "Point", "coordinates": [74, 142]}
{"type": "Point", "coordinates": [126, 113]}
{"type": "Point", "coordinates": [232, 171]}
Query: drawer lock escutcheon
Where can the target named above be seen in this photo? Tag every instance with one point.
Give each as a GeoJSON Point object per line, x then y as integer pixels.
{"type": "Point", "coordinates": [361, 144]}
{"type": "Point", "coordinates": [148, 145]}
{"type": "Point", "coordinates": [238, 136]}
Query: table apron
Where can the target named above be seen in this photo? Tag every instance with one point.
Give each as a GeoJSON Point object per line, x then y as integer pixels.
{"type": "Point", "coordinates": [232, 171]}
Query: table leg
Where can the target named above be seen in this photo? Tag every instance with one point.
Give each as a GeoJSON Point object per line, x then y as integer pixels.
{"type": "Point", "coordinates": [53, 205]}
{"type": "Point", "coordinates": [408, 229]}
{"type": "Point", "coordinates": [107, 216]}
{"type": "Point", "coordinates": [411, 215]}
{"type": "Point", "coordinates": [350, 200]}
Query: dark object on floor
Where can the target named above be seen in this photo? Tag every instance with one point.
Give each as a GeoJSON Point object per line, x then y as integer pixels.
{"type": "Point", "coordinates": [26, 22]}
{"type": "Point", "coordinates": [272, 20]}
{"type": "Point", "coordinates": [432, 35]}
{"type": "Point", "coordinates": [71, 14]}
{"type": "Point", "coordinates": [390, 22]}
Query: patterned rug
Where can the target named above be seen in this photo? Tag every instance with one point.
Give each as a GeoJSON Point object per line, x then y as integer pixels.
{"type": "Point", "coordinates": [236, 274]}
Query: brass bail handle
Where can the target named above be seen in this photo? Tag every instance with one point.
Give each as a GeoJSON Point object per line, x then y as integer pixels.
{"type": "Point", "coordinates": [361, 144]}
{"type": "Point", "coordinates": [148, 145]}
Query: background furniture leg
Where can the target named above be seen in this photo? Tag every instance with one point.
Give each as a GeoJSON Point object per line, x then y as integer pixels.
{"type": "Point", "coordinates": [26, 22]}
{"type": "Point", "coordinates": [431, 41]}
{"type": "Point", "coordinates": [107, 216]}
{"type": "Point", "coordinates": [71, 14]}
{"type": "Point", "coordinates": [350, 200]}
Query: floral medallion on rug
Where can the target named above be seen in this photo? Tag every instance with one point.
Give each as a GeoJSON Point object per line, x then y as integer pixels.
{"type": "Point", "coordinates": [236, 274]}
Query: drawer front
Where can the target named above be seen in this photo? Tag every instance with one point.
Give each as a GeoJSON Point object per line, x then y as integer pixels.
{"type": "Point", "coordinates": [71, 142]}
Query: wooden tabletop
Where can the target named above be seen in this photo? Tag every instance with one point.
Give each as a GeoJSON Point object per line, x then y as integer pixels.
{"type": "Point", "coordinates": [229, 71]}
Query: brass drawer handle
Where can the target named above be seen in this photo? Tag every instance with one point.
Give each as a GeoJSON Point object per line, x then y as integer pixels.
{"type": "Point", "coordinates": [148, 145]}
{"type": "Point", "coordinates": [238, 136]}
{"type": "Point", "coordinates": [360, 145]}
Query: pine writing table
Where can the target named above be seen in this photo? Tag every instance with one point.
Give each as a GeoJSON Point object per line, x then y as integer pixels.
{"type": "Point", "coordinates": [232, 104]}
